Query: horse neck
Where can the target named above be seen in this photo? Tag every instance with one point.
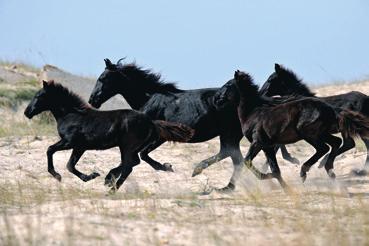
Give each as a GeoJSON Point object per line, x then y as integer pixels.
{"type": "Point", "coordinates": [59, 112]}
{"type": "Point", "coordinates": [135, 98]}
{"type": "Point", "coordinates": [248, 102]}
{"type": "Point", "coordinates": [299, 88]}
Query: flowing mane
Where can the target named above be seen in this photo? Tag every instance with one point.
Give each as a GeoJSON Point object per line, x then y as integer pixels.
{"type": "Point", "coordinates": [67, 97]}
{"type": "Point", "coordinates": [149, 81]}
{"type": "Point", "coordinates": [294, 81]}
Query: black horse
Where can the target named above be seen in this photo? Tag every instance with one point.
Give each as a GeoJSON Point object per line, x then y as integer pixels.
{"type": "Point", "coordinates": [266, 123]}
{"type": "Point", "coordinates": [145, 91]}
{"type": "Point", "coordinates": [285, 82]}
{"type": "Point", "coordinates": [82, 128]}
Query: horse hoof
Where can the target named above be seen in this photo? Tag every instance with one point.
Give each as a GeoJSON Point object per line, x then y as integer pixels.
{"type": "Point", "coordinates": [293, 160]}
{"type": "Point", "coordinates": [58, 177]}
{"type": "Point", "coordinates": [108, 182]}
{"type": "Point", "coordinates": [206, 192]}
{"type": "Point", "coordinates": [112, 191]}
{"type": "Point", "coordinates": [197, 171]}
{"type": "Point", "coordinates": [303, 176]}
{"type": "Point", "coordinates": [228, 189]}
{"type": "Point", "coordinates": [331, 174]}
{"type": "Point", "coordinates": [359, 172]}
{"type": "Point", "coordinates": [168, 167]}
{"type": "Point", "coordinates": [94, 175]}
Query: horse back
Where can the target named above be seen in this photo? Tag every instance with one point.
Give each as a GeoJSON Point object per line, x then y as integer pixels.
{"type": "Point", "coordinates": [354, 100]}
{"type": "Point", "coordinates": [194, 108]}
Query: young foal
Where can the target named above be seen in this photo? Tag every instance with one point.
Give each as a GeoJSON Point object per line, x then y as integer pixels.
{"type": "Point", "coordinates": [266, 125]}
{"type": "Point", "coordinates": [82, 128]}
{"type": "Point", "coordinates": [284, 82]}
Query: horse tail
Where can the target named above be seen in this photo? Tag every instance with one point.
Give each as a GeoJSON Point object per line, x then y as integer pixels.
{"type": "Point", "coordinates": [176, 132]}
{"type": "Point", "coordinates": [353, 124]}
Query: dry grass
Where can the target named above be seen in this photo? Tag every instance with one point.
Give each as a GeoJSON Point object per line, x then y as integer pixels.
{"type": "Point", "coordinates": [157, 208]}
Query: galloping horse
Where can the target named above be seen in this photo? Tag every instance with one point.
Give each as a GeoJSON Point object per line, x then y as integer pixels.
{"type": "Point", "coordinates": [146, 92]}
{"type": "Point", "coordinates": [266, 123]}
{"type": "Point", "coordinates": [82, 128]}
{"type": "Point", "coordinates": [284, 82]}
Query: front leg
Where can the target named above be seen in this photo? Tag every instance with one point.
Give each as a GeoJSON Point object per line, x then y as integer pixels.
{"type": "Point", "coordinates": [287, 156]}
{"type": "Point", "coordinates": [229, 146]}
{"type": "Point", "coordinates": [199, 167]}
{"type": "Point", "coordinates": [58, 146]}
{"type": "Point", "coordinates": [253, 151]}
{"type": "Point", "coordinates": [71, 166]}
{"type": "Point", "coordinates": [270, 153]}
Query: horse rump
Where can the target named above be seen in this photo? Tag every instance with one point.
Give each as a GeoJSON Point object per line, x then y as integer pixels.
{"type": "Point", "coordinates": [176, 132]}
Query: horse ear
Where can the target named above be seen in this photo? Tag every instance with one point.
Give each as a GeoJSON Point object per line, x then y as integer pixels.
{"type": "Point", "coordinates": [44, 84]}
{"type": "Point", "coordinates": [277, 67]}
{"type": "Point", "coordinates": [108, 63]}
{"type": "Point", "coordinates": [236, 74]}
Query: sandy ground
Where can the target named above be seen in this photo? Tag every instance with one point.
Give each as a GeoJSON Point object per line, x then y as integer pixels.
{"type": "Point", "coordinates": [159, 208]}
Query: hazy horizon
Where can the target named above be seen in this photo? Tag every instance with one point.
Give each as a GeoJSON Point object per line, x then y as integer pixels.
{"type": "Point", "coordinates": [196, 44]}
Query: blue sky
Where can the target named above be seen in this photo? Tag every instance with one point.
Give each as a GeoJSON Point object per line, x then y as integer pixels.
{"type": "Point", "coordinates": [194, 43]}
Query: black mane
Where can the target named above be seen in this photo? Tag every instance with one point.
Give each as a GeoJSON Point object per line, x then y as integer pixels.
{"type": "Point", "coordinates": [149, 81]}
{"type": "Point", "coordinates": [68, 98]}
{"type": "Point", "coordinates": [293, 80]}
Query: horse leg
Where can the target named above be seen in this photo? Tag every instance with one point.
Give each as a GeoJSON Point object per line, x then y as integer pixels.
{"type": "Point", "coordinates": [129, 161]}
{"type": "Point", "coordinates": [154, 164]}
{"type": "Point", "coordinates": [113, 176]}
{"type": "Point", "coordinates": [266, 164]}
{"type": "Point", "coordinates": [335, 143]}
{"type": "Point", "coordinates": [224, 152]}
{"type": "Point", "coordinates": [287, 156]}
{"type": "Point", "coordinates": [321, 149]}
{"type": "Point", "coordinates": [348, 143]}
{"type": "Point", "coordinates": [237, 159]}
{"type": "Point", "coordinates": [270, 153]}
{"type": "Point", "coordinates": [365, 170]}
{"type": "Point", "coordinates": [254, 149]}
{"type": "Point", "coordinates": [71, 166]}
{"type": "Point", "coordinates": [60, 145]}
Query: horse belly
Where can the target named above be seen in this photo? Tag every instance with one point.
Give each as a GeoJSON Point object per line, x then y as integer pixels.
{"type": "Point", "coordinates": [289, 135]}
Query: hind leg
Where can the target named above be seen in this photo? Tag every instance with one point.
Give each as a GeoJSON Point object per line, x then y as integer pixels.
{"type": "Point", "coordinates": [335, 143]}
{"type": "Point", "coordinates": [321, 149]}
{"type": "Point", "coordinates": [75, 156]}
{"type": "Point", "coordinates": [154, 164]}
{"type": "Point", "coordinates": [365, 170]}
{"type": "Point", "coordinates": [130, 160]}
{"type": "Point", "coordinates": [113, 176]}
{"type": "Point", "coordinates": [348, 143]}
{"type": "Point", "coordinates": [287, 156]}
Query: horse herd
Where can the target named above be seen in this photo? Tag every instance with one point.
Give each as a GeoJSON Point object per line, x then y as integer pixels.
{"type": "Point", "coordinates": [282, 112]}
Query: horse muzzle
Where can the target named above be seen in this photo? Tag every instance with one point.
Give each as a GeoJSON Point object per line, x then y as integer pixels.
{"type": "Point", "coordinates": [28, 112]}
{"type": "Point", "coordinates": [94, 102]}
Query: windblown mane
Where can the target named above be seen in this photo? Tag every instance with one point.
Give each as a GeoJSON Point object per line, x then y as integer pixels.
{"type": "Point", "coordinates": [293, 80]}
{"type": "Point", "coordinates": [149, 81]}
{"type": "Point", "coordinates": [68, 98]}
